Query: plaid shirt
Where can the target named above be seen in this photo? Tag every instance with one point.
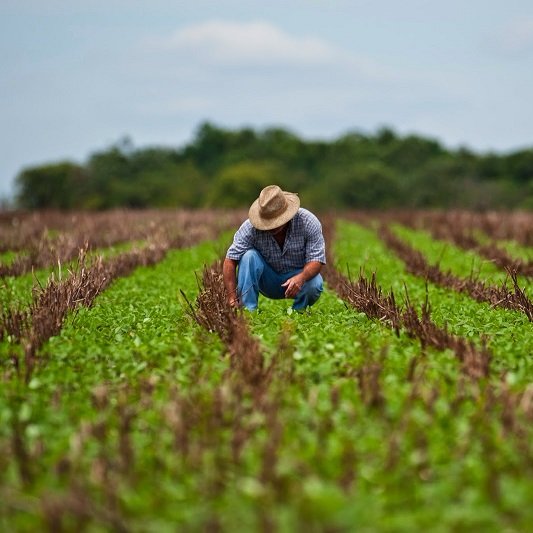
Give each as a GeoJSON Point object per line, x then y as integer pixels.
{"type": "Point", "coordinates": [304, 243]}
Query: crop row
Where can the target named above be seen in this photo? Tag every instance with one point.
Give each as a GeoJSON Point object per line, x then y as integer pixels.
{"type": "Point", "coordinates": [460, 262]}
{"type": "Point", "coordinates": [367, 297]}
{"type": "Point", "coordinates": [477, 231]}
{"type": "Point", "coordinates": [508, 332]}
{"type": "Point", "coordinates": [45, 239]}
{"type": "Point", "coordinates": [136, 418]}
{"type": "Point", "coordinates": [28, 328]}
{"type": "Point", "coordinates": [496, 295]}
{"type": "Point", "coordinates": [498, 407]}
{"type": "Point", "coordinates": [123, 345]}
{"type": "Point", "coordinates": [495, 225]}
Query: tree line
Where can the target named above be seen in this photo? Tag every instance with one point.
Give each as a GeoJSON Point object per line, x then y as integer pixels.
{"type": "Point", "coordinates": [227, 168]}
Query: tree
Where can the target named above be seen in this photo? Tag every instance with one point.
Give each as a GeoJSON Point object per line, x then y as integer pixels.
{"type": "Point", "coordinates": [364, 185]}
{"type": "Point", "coordinates": [111, 179]}
{"type": "Point", "coordinates": [229, 167]}
{"type": "Point", "coordinates": [240, 184]}
{"type": "Point", "coordinates": [410, 152]}
{"type": "Point", "coordinates": [55, 185]}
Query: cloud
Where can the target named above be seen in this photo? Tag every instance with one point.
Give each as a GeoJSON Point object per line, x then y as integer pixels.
{"type": "Point", "coordinates": [516, 38]}
{"type": "Point", "coordinates": [211, 47]}
{"type": "Point", "coordinates": [255, 71]}
{"type": "Point", "coordinates": [178, 106]}
{"type": "Point", "coordinates": [242, 44]}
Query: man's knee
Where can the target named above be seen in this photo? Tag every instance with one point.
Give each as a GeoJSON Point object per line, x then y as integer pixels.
{"type": "Point", "coordinates": [251, 257]}
{"type": "Point", "coordinates": [314, 288]}
{"type": "Point", "coordinates": [251, 262]}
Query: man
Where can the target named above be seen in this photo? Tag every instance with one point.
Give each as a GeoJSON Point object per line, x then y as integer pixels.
{"type": "Point", "coordinates": [279, 252]}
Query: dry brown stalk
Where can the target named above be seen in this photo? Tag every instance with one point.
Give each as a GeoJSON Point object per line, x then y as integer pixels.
{"type": "Point", "coordinates": [460, 227]}
{"type": "Point", "coordinates": [497, 225]}
{"type": "Point", "coordinates": [213, 312]}
{"type": "Point", "coordinates": [52, 304]}
{"type": "Point", "coordinates": [503, 260]}
{"type": "Point", "coordinates": [20, 451]}
{"type": "Point", "coordinates": [13, 322]}
{"type": "Point", "coordinates": [475, 361]}
{"type": "Point", "coordinates": [369, 385]}
{"type": "Point", "coordinates": [37, 236]}
{"type": "Point", "coordinates": [269, 457]}
{"type": "Point", "coordinates": [523, 303]}
{"type": "Point", "coordinates": [459, 230]}
{"type": "Point", "coordinates": [249, 374]}
{"type": "Point", "coordinates": [416, 264]}
{"type": "Point", "coordinates": [77, 505]}
{"type": "Point", "coordinates": [126, 416]}
{"type": "Point", "coordinates": [367, 296]}
{"type": "Point", "coordinates": [45, 316]}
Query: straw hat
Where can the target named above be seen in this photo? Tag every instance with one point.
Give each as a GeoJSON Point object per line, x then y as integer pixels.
{"type": "Point", "coordinates": [273, 208]}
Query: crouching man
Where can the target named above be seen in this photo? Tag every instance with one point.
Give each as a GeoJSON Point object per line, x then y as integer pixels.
{"type": "Point", "coordinates": [278, 252]}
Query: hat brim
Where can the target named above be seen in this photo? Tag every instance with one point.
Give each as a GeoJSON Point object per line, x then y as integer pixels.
{"type": "Point", "coordinates": [261, 223]}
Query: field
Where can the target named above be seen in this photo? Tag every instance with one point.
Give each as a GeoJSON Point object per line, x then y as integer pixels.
{"type": "Point", "coordinates": [134, 399]}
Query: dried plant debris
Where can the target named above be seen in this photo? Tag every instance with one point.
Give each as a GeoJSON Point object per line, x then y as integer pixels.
{"type": "Point", "coordinates": [496, 296]}
{"type": "Point", "coordinates": [45, 239]}
{"type": "Point", "coordinates": [213, 312]}
{"type": "Point", "coordinates": [334, 429]}
{"type": "Point", "coordinates": [44, 318]}
{"type": "Point", "coordinates": [463, 229]}
{"type": "Point", "coordinates": [366, 296]}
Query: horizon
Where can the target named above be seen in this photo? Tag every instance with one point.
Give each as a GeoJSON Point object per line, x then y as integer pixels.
{"type": "Point", "coordinates": [180, 146]}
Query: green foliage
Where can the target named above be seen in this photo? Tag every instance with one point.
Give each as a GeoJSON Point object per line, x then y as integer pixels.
{"type": "Point", "coordinates": [17, 290]}
{"type": "Point", "coordinates": [56, 185]}
{"type": "Point", "coordinates": [153, 177]}
{"type": "Point", "coordinates": [357, 186]}
{"type": "Point", "coordinates": [517, 250]}
{"type": "Point", "coordinates": [229, 167]}
{"type": "Point", "coordinates": [135, 419]}
{"type": "Point", "coordinates": [237, 185]}
{"type": "Point", "coordinates": [508, 332]}
{"type": "Point", "coordinates": [460, 262]}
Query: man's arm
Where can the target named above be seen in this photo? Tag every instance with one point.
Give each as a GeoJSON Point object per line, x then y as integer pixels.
{"type": "Point", "coordinates": [243, 240]}
{"type": "Point", "coordinates": [229, 273]}
{"type": "Point", "coordinates": [294, 284]}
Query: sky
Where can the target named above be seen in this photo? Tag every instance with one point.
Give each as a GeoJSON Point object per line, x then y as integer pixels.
{"type": "Point", "coordinates": [79, 75]}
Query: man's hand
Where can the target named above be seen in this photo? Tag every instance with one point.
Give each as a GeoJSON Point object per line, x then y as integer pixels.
{"type": "Point", "coordinates": [293, 285]}
{"type": "Point", "coordinates": [233, 300]}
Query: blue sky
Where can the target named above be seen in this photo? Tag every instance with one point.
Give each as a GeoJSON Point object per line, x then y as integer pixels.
{"type": "Point", "coordinates": [78, 75]}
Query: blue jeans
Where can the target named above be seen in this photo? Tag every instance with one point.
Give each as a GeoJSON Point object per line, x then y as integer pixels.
{"type": "Point", "coordinates": [256, 276]}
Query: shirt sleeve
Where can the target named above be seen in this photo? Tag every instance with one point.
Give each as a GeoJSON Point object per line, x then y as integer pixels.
{"type": "Point", "coordinates": [242, 241]}
{"type": "Point", "coordinates": [315, 247]}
